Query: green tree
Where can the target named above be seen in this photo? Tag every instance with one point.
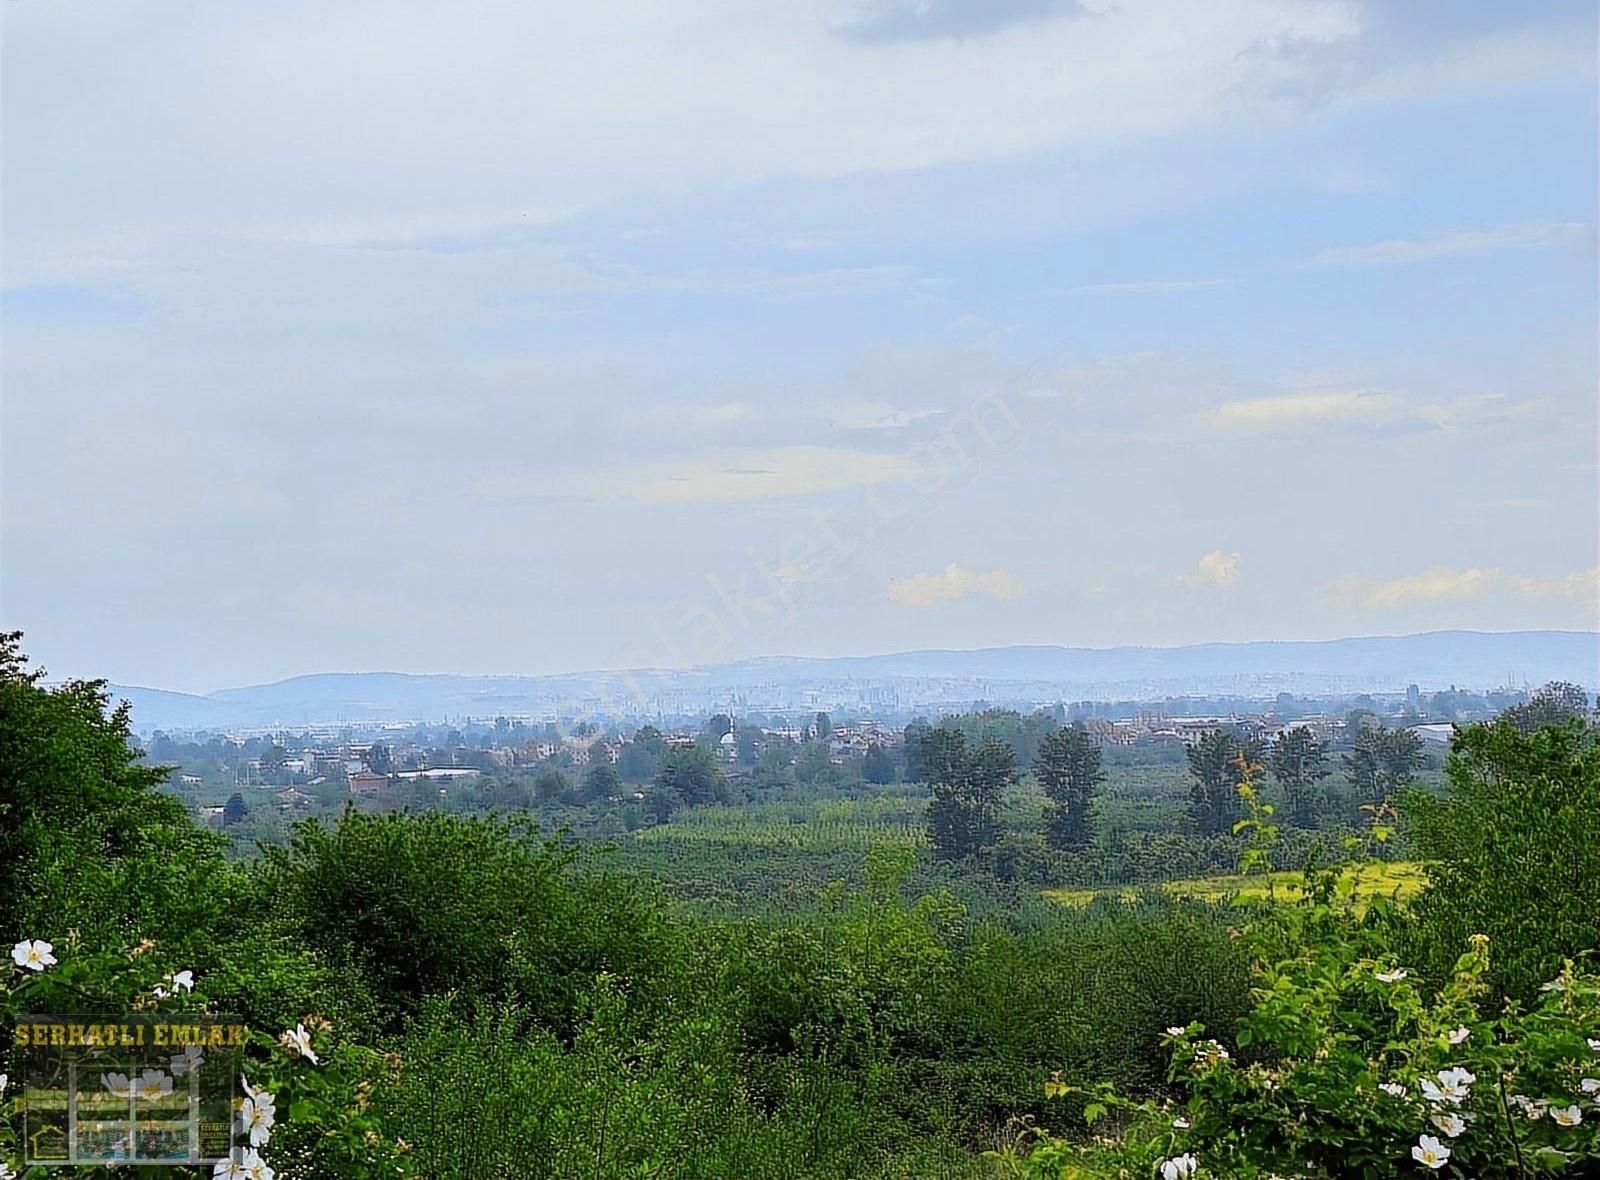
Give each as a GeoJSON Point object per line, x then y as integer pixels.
{"type": "Point", "coordinates": [1556, 702]}
{"type": "Point", "coordinates": [690, 775]}
{"type": "Point", "coordinates": [717, 725]}
{"type": "Point", "coordinates": [1214, 762]}
{"type": "Point", "coordinates": [550, 785]}
{"type": "Point", "coordinates": [640, 758]}
{"type": "Point", "coordinates": [88, 841]}
{"type": "Point", "coordinates": [967, 783]}
{"type": "Point", "coordinates": [912, 738]}
{"type": "Point", "coordinates": [1513, 851]}
{"type": "Point", "coordinates": [1382, 761]}
{"type": "Point", "coordinates": [601, 781]}
{"type": "Point", "coordinates": [379, 759]}
{"type": "Point", "coordinates": [824, 727]}
{"type": "Point", "coordinates": [1067, 765]}
{"type": "Point", "coordinates": [1299, 762]}
{"type": "Point", "coordinates": [774, 769]}
{"type": "Point", "coordinates": [877, 766]}
{"type": "Point", "coordinates": [234, 810]}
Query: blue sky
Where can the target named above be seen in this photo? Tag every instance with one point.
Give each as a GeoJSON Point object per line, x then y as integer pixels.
{"type": "Point", "coordinates": [483, 338]}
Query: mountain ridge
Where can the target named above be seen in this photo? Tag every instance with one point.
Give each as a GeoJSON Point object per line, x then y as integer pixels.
{"type": "Point", "coordinates": [931, 676]}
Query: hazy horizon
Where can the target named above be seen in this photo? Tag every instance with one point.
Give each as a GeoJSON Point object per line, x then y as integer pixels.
{"type": "Point", "coordinates": [778, 658]}
{"type": "Point", "coordinates": [378, 336]}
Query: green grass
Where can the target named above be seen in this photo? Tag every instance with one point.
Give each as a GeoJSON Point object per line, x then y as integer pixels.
{"type": "Point", "coordinates": [1401, 880]}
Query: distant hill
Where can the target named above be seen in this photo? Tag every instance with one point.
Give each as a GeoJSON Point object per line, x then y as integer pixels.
{"type": "Point", "coordinates": [1435, 660]}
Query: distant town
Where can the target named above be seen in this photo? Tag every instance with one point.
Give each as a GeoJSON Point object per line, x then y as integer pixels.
{"type": "Point", "coordinates": [299, 769]}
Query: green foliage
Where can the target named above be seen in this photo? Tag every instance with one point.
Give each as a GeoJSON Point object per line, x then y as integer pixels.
{"type": "Point", "coordinates": [601, 781]}
{"type": "Point", "coordinates": [1513, 851]}
{"type": "Point", "coordinates": [319, 1100]}
{"type": "Point", "coordinates": [1299, 763]}
{"type": "Point", "coordinates": [1214, 763]}
{"type": "Point", "coordinates": [1067, 766]}
{"type": "Point", "coordinates": [87, 841]}
{"type": "Point", "coordinates": [1382, 761]}
{"type": "Point", "coordinates": [967, 785]}
{"type": "Point", "coordinates": [425, 905]}
{"type": "Point", "coordinates": [689, 776]}
{"type": "Point", "coordinates": [877, 766]}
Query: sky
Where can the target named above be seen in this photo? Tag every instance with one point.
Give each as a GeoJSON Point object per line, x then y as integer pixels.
{"type": "Point", "coordinates": [499, 337]}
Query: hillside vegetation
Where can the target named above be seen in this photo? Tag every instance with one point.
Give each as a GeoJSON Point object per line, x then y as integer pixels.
{"type": "Point", "coordinates": [871, 985]}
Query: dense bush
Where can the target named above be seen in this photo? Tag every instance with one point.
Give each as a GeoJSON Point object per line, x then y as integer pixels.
{"type": "Point", "coordinates": [1513, 851]}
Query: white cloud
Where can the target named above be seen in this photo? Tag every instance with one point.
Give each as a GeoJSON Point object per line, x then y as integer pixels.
{"type": "Point", "coordinates": [699, 418]}
{"type": "Point", "coordinates": [952, 583]}
{"type": "Point", "coordinates": [1306, 409]}
{"type": "Point", "coordinates": [1149, 286]}
{"type": "Point", "coordinates": [1442, 584]}
{"type": "Point", "coordinates": [1400, 251]}
{"type": "Point", "coordinates": [1217, 568]}
{"type": "Point", "coordinates": [1315, 412]}
{"type": "Point", "coordinates": [716, 477]}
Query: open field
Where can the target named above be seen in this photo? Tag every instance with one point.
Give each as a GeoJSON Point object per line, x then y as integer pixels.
{"type": "Point", "coordinates": [1400, 880]}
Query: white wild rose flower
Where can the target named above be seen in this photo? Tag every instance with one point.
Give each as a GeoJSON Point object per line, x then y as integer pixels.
{"type": "Point", "coordinates": [1457, 1035]}
{"type": "Point", "coordinates": [1450, 1125]}
{"type": "Point", "coordinates": [255, 1168]}
{"type": "Point", "coordinates": [154, 1085]}
{"type": "Point", "coordinates": [1392, 1089]}
{"type": "Point", "coordinates": [34, 954]}
{"type": "Point", "coordinates": [1566, 1116]}
{"type": "Point", "coordinates": [1430, 1153]}
{"type": "Point", "coordinates": [257, 1117]}
{"type": "Point", "coordinates": [1532, 1108]}
{"type": "Point", "coordinates": [1395, 975]}
{"type": "Point", "coordinates": [249, 1166]}
{"type": "Point", "coordinates": [178, 981]}
{"type": "Point", "coordinates": [1452, 1087]}
{"type": "Point", "coordinates": [298, 1041]}
{"type": "Point", "coordinates": [117, 1084]}
{"type": "Point", "coordinates": [1180, 1167]}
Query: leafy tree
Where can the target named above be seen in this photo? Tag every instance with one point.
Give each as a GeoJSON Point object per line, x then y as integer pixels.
{"type": "Point", "coordinates": [1553, 704]}
{"type": "Point", "coordinates": [824, 727]}
{"type": "Point", "coordinates": [1299, 762]}
{"type": "Point", "coordinates": [690, 775]}
{"type": "Point", "coordinates": [640, 758]}
{"type": "Point", "coordinates": [87, 840]}
{"type": "Point", "coordinates": [1382, 761]}
{"type": "Point", "coordinates": [1514, 850]}
{"type": "Point", "coordinates": [774, 769]}
{"type": "Point", "coordinates": [601, 781]}
{"type": "Point", "coordinates": [877, 766]}
{"type": "Point", "coordinates": [717, 725]}
{"type": "Point", "coordinates": [747, 744]}
{"type": "Point", "coordinates": [550, 784]}
{"type": "Point", "coordinates": [1068, 768]}
{"type": "Point", "coordinates": [912, 739]}
{"type": "Point", "coordinates": [234, 810]}
{"type": "Point", "coordinates": [967, 784]}
{"type": "Point", "coordinates": [814, 766]}
{"type": "Point", "coordinates": [1215, 763]}
{"type": "Point", "coordinates": [380, 760]}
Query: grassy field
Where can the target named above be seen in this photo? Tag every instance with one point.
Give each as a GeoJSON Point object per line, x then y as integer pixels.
{"type": "Point", "coordinates": [1400, 880]}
